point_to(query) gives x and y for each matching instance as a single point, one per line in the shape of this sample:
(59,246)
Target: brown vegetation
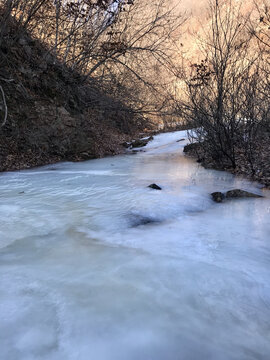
(228,92)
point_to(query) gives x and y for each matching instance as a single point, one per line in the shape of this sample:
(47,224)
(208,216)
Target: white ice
(94,265)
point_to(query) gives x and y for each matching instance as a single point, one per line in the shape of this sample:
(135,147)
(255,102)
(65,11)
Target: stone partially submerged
(218,196)
(137,143)
(141,142)
(155,187)
(238,193)
(136,220)
(233,194)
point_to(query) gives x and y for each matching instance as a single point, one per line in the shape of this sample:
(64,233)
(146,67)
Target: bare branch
(5,107)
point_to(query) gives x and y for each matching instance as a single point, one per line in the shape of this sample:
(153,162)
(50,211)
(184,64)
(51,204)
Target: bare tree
(225,98)
(146,63)
(131,41)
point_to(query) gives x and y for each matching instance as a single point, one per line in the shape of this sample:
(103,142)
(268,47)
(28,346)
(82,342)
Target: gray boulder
(238,193)
(155,187)
(233,194)
(141,142)
(218,196)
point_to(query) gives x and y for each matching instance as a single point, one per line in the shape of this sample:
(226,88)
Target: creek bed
(96,265)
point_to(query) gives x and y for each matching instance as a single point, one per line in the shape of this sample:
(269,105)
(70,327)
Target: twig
(6,80)
(5,106)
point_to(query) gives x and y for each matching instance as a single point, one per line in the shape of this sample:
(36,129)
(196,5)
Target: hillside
(76,87)
(52,113)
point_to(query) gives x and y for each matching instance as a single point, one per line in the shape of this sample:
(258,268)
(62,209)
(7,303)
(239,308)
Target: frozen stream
(96,266)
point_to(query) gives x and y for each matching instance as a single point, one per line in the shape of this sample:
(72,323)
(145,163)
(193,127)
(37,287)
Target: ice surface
(95,265)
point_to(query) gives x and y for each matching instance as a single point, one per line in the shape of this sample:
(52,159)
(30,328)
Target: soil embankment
(53,113)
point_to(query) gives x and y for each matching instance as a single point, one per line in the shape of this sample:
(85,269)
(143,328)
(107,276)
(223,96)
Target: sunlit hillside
(198,18)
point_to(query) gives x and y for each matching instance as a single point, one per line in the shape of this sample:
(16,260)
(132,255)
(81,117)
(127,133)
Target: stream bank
(261,163)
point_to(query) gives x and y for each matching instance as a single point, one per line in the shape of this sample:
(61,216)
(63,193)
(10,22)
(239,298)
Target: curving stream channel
(94,265)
